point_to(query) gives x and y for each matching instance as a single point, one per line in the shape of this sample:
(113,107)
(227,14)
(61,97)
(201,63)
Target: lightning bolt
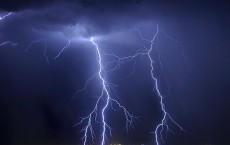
(117,62)
(45,49)
(7,15)
(166,116)
(7,42)
(107,99)
(105,95)
(67,45)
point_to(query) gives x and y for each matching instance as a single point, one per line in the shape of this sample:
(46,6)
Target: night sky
(37,102)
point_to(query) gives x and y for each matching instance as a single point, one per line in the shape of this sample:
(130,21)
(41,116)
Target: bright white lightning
(166,116)
(7,15)
(107,99)
(105,96)
(67,45)
(103,90)
(163,125)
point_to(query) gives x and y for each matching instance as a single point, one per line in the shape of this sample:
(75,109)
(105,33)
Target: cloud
(84,18)
(34,19)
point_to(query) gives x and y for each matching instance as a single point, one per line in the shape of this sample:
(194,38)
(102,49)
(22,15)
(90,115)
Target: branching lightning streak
(147,52)
(69,42)
(7,15)
(103,90)
(106,97)
(166,116)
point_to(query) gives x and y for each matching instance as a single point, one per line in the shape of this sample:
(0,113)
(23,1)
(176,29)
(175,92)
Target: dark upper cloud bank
(104,16)
(188,6)
(12,5)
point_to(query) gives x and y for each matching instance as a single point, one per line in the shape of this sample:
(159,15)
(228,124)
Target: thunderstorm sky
(191,62)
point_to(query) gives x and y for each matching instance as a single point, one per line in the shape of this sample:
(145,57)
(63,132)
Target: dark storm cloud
(92,17)
(102,16)
(72,18)
(96,16)
(119,6)
(12,5)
